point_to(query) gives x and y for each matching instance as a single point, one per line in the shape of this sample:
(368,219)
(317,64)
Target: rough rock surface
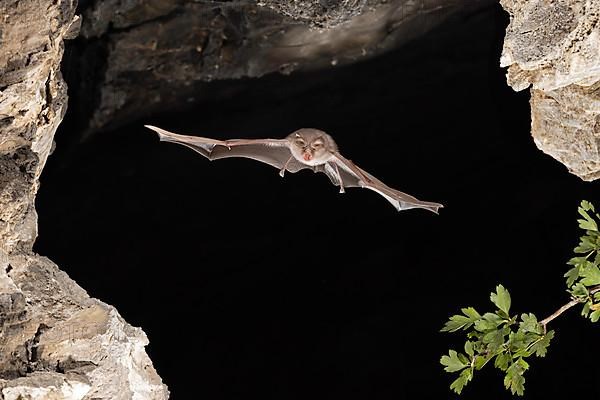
(554,47)
(322,13)
(140,57)
(32,104)
(55,341)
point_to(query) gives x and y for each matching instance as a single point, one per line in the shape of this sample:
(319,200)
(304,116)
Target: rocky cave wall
(56,342)
(140,57)
(554,47)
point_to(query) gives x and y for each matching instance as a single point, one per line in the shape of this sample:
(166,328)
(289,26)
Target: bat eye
(300,142)
(317,144)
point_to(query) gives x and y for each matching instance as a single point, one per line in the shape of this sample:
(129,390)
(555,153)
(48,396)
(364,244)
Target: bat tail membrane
(193,142)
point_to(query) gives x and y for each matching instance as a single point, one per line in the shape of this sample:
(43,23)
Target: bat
(302,149)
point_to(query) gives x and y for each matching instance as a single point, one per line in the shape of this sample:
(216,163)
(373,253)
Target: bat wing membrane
(353,176)
(275,152)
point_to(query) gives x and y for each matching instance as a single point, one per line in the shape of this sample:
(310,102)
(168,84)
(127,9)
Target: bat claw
(342,190)
(281,172)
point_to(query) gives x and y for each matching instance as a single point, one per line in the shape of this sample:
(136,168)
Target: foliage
(498,336)
(584,276)
(508,339)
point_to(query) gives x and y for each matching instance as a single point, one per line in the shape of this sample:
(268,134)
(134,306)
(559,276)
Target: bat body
(302,149)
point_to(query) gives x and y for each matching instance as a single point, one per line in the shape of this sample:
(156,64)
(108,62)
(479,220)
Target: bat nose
(307,156)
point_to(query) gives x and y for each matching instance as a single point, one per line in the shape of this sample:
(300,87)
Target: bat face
(311,146)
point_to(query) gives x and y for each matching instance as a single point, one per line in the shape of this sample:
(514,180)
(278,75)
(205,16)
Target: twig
(561,310)
(564,308)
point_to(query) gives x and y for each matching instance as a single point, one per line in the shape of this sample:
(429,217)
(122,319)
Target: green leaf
(462,380)
(572,275)
(595,316)
(474,335)
(588,222)
(577,261)
(488,322)
(540,348)
(457,322)
(471,313)
(520,343)
(502,361)
(591,275)
(580,291)
(584,247)
(480,361)
(452,362)
(587,206)
(586,244)
(494,339)
(469,348)
(514,379)
(586,309)
(517,341)
(501,299)
(523,364)
(530,324)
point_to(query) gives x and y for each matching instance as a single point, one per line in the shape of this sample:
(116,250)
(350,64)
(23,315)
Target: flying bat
(304,148)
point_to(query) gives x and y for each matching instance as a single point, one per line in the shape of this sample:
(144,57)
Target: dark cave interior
(247,284)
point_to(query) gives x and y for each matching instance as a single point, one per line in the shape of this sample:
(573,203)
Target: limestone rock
(32,104)
(566,124)
(321,13)
(43,352)
(46,386)
(97,343)
(149,56)
(554,46)
(57,341)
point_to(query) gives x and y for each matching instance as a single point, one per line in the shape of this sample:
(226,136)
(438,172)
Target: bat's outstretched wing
(352,176)
(275,152)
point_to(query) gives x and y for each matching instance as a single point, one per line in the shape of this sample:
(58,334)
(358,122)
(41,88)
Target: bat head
(311,146)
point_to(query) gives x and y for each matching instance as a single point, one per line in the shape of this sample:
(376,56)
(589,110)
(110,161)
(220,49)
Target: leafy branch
(510,340)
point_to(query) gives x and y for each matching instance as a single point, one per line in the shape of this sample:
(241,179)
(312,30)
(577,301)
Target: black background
(250,285)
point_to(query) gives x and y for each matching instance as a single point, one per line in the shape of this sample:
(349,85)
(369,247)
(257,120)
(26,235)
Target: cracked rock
(553,46)
(57,341)
(46,386)
(41,308)
(141,57)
